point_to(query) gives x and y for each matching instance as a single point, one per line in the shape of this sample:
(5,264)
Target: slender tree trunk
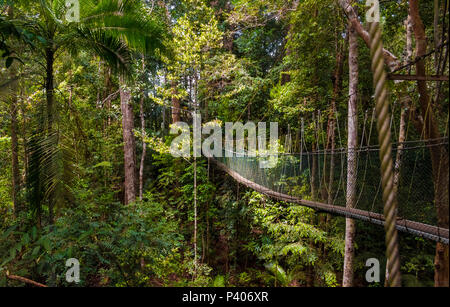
(49,86)
(332,120)
(436,35)
(351,158)
(129,149)
(25,141)
(195,214)
(15,156)
(409,48)
(176,108)
(439,154)
(144,152)
(107,92)
(16,182)
(404,108)
(144,149)
(313,172)
(207,232)
(195,103)
(14,131)
(49,89)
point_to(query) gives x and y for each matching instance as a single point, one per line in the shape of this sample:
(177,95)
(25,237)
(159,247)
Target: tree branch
(391,60)
(26,280)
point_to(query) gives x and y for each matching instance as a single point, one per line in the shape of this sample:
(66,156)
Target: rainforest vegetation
(89,91)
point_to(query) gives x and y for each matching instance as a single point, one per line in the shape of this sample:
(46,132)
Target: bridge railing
(307,176)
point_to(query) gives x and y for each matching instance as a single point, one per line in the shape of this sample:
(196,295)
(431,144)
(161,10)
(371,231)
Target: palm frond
(51,170)
(125,20)
(110,48)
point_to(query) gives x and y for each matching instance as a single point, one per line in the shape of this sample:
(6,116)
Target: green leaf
(34,233)
(46,244)
(12,253)
(35,251)
(105,164)
(25,239)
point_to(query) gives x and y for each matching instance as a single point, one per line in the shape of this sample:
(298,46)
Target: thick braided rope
(384,138)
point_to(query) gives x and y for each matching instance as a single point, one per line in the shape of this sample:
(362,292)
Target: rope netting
(305,178)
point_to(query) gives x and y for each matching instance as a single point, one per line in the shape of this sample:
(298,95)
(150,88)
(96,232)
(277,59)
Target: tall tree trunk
(332,122)
(195,217)
(351,158)
(107,93)
(128,143)
(331,127)
(14,131)
(439,154)
(144,145)
(49,89)
(404,108)
(49,86)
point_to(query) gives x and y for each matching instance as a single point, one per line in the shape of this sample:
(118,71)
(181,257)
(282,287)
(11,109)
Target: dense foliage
(63,89)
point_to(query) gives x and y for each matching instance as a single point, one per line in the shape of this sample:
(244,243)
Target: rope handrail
(338,151)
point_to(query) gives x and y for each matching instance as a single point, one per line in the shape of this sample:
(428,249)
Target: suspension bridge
(304,179)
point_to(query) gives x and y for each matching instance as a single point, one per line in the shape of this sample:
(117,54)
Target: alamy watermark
(373,273)
(73,273)
(256,139)
(73,11)
(373,13)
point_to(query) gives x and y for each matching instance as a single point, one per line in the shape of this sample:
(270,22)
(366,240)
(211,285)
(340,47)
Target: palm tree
(112,30)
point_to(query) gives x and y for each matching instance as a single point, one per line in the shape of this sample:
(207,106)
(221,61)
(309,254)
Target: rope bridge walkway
(304,178)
